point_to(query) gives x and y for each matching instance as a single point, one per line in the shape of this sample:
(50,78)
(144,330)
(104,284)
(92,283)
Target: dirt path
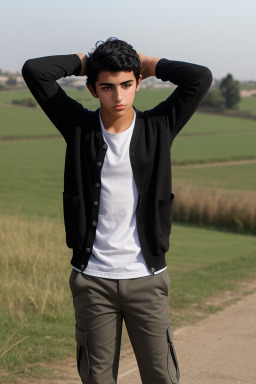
(216,164)
(220,349)
(15,139)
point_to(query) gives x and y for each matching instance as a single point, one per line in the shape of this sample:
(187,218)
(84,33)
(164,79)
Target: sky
(219,34)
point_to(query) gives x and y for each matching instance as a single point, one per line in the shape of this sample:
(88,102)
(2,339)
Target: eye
(106,88)
(126,85)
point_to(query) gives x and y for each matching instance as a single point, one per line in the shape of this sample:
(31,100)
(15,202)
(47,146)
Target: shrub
(29,102)
(214,99)
(11,81)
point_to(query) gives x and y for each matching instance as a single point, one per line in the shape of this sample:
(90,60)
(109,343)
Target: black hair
(113,55)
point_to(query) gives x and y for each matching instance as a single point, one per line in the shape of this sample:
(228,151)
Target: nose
(118,95)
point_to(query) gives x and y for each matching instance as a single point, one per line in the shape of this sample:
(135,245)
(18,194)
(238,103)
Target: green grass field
(248,104)
(32,176)
(212,125)
(21,122)
(187,150)
(247,86)
(33,122)
(145,98)
(37,320)
(230,177)
(8,96)
(217,262)
(31,179)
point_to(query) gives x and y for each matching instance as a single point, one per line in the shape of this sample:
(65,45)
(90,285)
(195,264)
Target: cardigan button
(99,164)
(94,223)
(88,250)
(82,267)
(95,203)
(105,146)
(97,185)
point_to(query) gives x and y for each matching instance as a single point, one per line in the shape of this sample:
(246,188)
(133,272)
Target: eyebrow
(124,82)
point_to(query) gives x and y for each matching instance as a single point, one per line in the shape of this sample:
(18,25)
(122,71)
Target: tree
(11,81)
(214,99)
(28,102)
(230,91)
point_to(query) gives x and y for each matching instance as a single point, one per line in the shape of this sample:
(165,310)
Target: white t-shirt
(116,252)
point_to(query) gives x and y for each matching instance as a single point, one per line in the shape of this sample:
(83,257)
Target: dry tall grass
(34,265)
(223,208)
(35,262)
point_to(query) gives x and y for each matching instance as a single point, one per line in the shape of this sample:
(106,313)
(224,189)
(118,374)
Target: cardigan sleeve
(41,75)
(193,82)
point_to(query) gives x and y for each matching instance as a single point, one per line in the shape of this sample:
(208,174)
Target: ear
(92,90)
(138,83)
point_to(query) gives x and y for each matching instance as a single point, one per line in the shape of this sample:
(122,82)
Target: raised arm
(83,59)
(148,65)
(193,82)
(41,75)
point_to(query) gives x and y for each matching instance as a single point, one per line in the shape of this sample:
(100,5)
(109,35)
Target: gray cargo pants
(100,307)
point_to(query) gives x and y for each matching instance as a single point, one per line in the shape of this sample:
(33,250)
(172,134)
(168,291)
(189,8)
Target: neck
(115,124)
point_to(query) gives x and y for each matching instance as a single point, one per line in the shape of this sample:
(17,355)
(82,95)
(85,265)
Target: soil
(216,164)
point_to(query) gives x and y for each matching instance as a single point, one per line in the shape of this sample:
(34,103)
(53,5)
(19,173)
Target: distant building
(150,82)
(248,93)
(19,80)
(3,79)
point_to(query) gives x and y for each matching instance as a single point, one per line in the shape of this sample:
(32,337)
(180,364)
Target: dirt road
(215,164)
(220,349)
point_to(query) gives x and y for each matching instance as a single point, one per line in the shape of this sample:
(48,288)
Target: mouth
(119,106)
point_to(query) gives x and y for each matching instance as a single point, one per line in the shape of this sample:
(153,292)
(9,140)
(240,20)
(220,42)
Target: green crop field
(204,149)
(144,99)
(8,96)
(37,320)
(209,267)
(248,104)
(199,124)
(24,122)
(32,176)
(247,86)
(206,124)
(231,177)
(32,171)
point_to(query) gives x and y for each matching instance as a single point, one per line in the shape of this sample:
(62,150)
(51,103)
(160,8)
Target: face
(116,92)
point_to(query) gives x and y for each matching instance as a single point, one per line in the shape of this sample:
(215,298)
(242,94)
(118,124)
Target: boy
(118,201)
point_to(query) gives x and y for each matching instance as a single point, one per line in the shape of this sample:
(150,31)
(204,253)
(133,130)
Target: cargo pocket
(82,356)
(173,366)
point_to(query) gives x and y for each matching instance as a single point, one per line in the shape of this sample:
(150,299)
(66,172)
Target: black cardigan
(150,146)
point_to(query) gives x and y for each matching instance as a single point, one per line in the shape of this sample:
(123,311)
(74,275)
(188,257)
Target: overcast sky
(219,34)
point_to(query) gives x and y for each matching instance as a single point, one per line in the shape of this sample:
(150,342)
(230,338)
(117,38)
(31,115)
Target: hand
(148,65)
(83,59)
